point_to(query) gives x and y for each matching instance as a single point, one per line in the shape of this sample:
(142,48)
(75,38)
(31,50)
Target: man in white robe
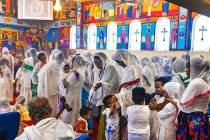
(46,128)
(49,77)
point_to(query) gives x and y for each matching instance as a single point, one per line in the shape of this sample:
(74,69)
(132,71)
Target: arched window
(112,36)
(73,37)
(135,35)
(162,34)
(201,33)
(92,36)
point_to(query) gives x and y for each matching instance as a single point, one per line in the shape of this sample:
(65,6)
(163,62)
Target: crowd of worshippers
(98,97)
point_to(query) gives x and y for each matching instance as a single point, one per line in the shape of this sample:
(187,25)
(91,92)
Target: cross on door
(113,34)
(136,33)
(94,35)
(202,30)
(164,34)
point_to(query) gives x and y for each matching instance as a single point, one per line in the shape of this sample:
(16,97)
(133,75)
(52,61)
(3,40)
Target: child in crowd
(138,116)
(81,127)
(20,106)
(64,74)
(112,118)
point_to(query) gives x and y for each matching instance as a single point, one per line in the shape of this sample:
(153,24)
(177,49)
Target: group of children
(136,119)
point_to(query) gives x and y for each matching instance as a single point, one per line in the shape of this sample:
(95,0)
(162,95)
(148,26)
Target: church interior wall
(56,34)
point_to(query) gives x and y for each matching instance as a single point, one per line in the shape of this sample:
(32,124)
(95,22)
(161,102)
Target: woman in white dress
(73,84)
(167,116)
(132,71)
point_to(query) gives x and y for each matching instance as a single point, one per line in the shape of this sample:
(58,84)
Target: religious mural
(125,13)
(85,33)
(122,36)
(101,37)
(64,39)
(8,8)
(108,11)
(69,10)
(174,35)
(148,36)
(20,39)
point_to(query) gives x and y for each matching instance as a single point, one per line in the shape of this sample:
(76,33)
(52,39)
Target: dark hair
(138,95)
(106,100)
(97,57)
(162,80)
(84,111)
(40,55)
(39,107)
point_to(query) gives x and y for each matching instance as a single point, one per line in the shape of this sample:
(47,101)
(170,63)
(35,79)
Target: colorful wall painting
(63,39)
(68,11)
(101,37)
(174,35)
(8,8)
(182,29)
(20,39)
(122,36)
(148,36)
(108,11)
(152,8)
(85,37)
(92,12)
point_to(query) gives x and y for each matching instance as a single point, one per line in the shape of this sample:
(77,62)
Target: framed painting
(35,9)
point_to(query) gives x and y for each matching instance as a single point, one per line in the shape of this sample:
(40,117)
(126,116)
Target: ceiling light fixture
(57,6)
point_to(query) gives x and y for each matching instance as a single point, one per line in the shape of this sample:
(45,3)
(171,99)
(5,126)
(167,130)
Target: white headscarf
(5,50)
(129,59)
(165,66)
(179,65)
(78,61)
(199,67)
(174,89)
(196,97)
(103,58)
(167,115)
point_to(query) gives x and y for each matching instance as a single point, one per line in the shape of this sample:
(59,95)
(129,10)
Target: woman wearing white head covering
(53,53)
(5,54)
(167,116)
(90,70)
(132,73)
(73,84)
(49,76)
(42,57)
(148,75)
(192,120)
(179,67)
(5,105)
(106,79)
(5,86)
(28,66)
